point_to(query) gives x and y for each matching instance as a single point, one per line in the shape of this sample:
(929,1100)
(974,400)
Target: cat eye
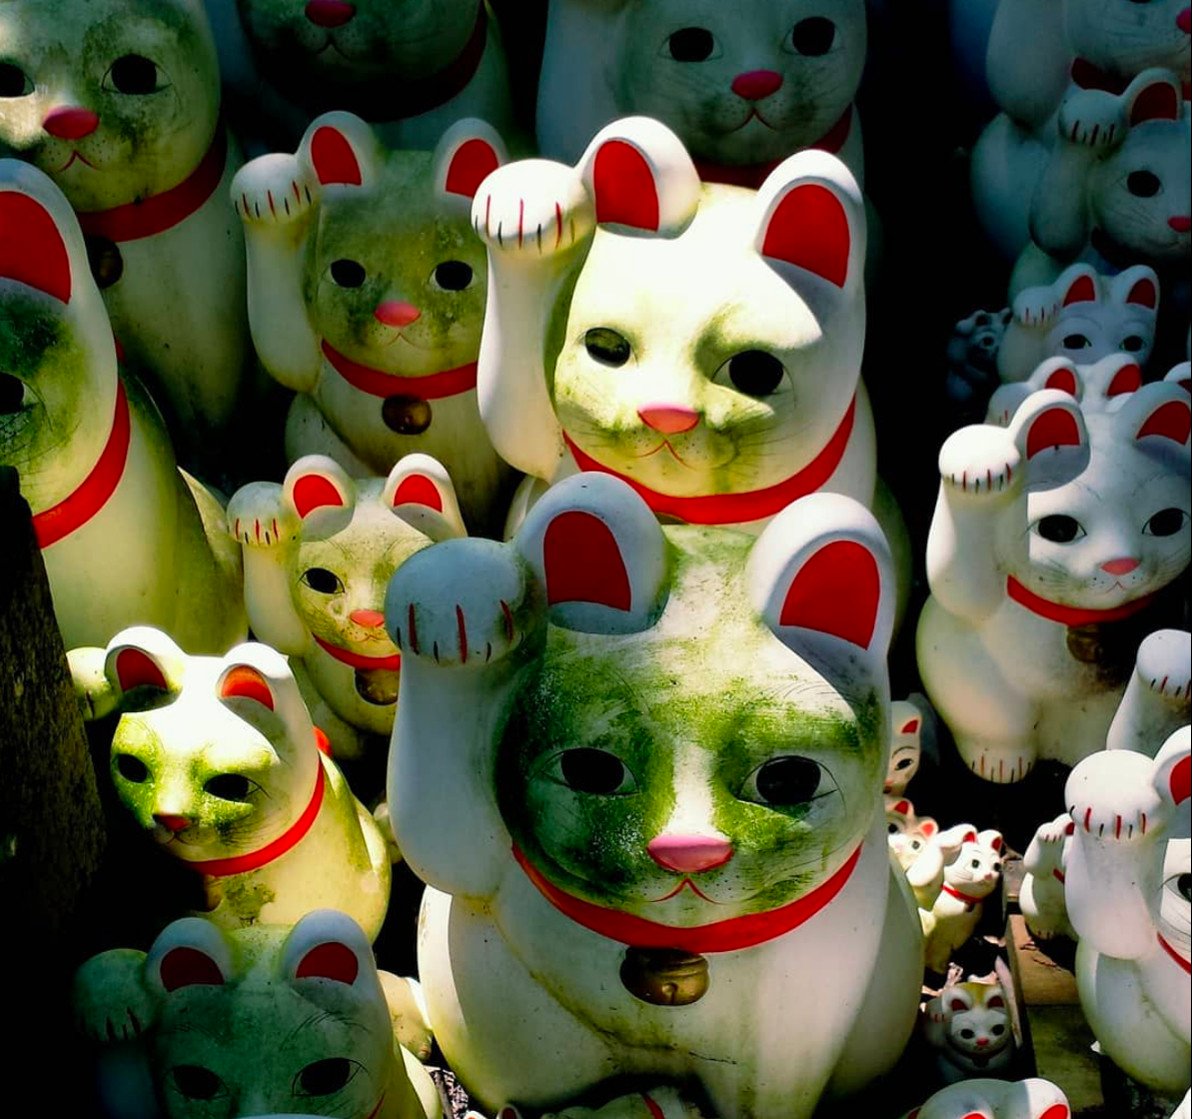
(1076,342)
(321,580)
(131,768)
(135,75)
(813,36)
(1143,184)
(196,1083)
(902,763)
(1184,885)
(347,273)
(587,769)
(892,829)
(691,44)
(14,82)
(229,786)
(754,372)
(12,394)
(1166,522)
(322,1078)
(997,1031)
(975,864)
(968,1035)
(784,782)
(452,275)
(1059,528)
(607,346)
(1132,344)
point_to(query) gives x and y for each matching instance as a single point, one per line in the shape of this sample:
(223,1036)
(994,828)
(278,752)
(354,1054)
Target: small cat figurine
(1066,518)
(969,879)
(968,1025)
(319,551)
(1041,896)
(1099,387)
(996,1099)
(907,834)
(255,1020)
(906,746)
(366,297)
(217,759)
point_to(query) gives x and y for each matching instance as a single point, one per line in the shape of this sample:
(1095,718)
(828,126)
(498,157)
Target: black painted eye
(1184,885)
(902,763)
(321,1078)
(131,769)
(997,868)
(691,44)
(813,36)
(347,273)
(229,786)
(12,394)
(975,864)
(786,782)
(968,1035)
(755,372)
(607,346)
(133,74)
(1166,522)
(893,829)
(196,1082)
(1076,342)
(453,275)
(1132,343)
(589,770)
(321,580)
(1143,184)
(14,82)
(997,1031)
(1060,528)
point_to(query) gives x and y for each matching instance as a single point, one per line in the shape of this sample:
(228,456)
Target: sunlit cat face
(1125,36)
(976,871)
(113,99)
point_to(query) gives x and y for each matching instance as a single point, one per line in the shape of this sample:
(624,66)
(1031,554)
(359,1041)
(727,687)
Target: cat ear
(928,827)
(996,1002)
(1077,284)
(342,150)
(640,177)
(317,482)
(1059,373)
(328,946)
(256,683)
(900,808)
(1137,286)
(142,657)
(1173,779)
(32,249)
(469,151)
(812,216)
(1180,375)
(820,576)
(1158,415)
(190,952)
(420,492)
(1119,373)
(1153,95)
(1048,430)
(991,839)
(600,554)
(958,999)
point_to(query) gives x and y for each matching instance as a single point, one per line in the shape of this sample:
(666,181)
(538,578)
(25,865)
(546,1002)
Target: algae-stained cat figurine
(319,551)
(665,842)
(1045,533)
(255,1020)
(218,761)
(366,297)
(968,881)
(996,1099)
(126,537)
(968,1026)
(702,344)
(118,102)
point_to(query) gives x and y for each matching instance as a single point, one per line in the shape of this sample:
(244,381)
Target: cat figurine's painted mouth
(80,157)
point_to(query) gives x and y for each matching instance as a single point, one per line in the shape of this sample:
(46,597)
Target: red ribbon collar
(969,901)
(1088,75)
(376,382)
(93,492)
(357,660)
(1184,964)
(1071,615)
(287,841)
(737,508)
(721,936)
(146,217)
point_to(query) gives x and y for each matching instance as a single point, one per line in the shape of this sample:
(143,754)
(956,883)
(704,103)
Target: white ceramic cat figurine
(1041,896)
(906,746)
(118,102)
(925,872)
(319,551)
(907,834)
(968,1025)
(969,879)
(744,86)
(996,1099)
(217,759)
(1098,387)
(1065,518)
(667,747)
(126,537)
(366,297)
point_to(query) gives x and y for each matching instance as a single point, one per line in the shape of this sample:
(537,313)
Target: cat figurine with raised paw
(996,1099)
(1041,895)
(968,880)
(968,1026)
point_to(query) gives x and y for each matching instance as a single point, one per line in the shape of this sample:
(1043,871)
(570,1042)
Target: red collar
(1088,75)
(357,660)
(376,382)
(968,899)
(242,864)
(1185,964)
(721,936)
(738,508)
(376,1110)
(752,175)
(1071,615)
(146,217)
(93,492)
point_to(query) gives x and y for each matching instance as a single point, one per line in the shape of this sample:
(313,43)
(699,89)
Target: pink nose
(370,619)
(982,1042)
(393,313)
(172,823)
(329,13)
(753,85)
(1120,566)
(1184,21)
(670,419)
(689,854)
(70,124)
(1180,224)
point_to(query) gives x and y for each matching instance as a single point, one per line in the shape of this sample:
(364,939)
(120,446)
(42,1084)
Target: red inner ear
(1181,780)
(927,828)
(1054,428)
(809,228)
(136,669)
(417,489)
(248,683)
(902,807)
(583,562)
(995,1002)
(1144,293)
(189,967)
(313,491)
(31,248)
(1127,379)
(473,162)
(1082,290)
(1056,1111)
(959,1004)
(996,844)
(909,727)
(1157,102)
(836,592)
(329,961)
(624,186)
(333,158)
(1172,420)
(1064,380)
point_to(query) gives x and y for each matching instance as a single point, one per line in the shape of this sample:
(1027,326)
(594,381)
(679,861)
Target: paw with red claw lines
(274,190)
(533,209)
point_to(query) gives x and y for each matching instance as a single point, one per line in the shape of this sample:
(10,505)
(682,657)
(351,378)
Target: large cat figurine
(663,750)
(126,537)
(366,297)
(118,102)
(743,85)
(1064,520)
(256,1020)
(319,551)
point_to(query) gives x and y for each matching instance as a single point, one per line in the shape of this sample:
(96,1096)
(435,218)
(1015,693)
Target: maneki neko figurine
(906,746)
(1041,896)
(968,1026)
(967,881)
(253,1020)
(996,1099)
(126,537)
(366,297)
(744,86)
(218,761)
(118,101)
(319,551)
(668,751)
(1046,532)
